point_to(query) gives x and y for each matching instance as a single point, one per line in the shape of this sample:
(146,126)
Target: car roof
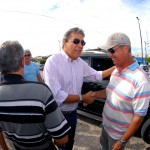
(93,52)
(143,65)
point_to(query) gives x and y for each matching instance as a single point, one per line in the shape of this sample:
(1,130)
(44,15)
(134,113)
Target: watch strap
(122,142)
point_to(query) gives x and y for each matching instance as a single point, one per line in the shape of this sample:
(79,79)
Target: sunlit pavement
(87,137)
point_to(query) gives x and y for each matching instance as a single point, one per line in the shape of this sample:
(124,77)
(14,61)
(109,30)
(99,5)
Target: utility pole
(145,48)
(140,38)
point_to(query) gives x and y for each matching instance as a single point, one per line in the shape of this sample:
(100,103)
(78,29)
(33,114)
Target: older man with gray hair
(127,94)
(64,73)
(29,115)
(31,69)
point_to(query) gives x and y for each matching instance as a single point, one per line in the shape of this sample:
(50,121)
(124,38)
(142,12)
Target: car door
(98,62)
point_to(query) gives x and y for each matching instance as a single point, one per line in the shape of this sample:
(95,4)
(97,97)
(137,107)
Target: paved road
(87,137)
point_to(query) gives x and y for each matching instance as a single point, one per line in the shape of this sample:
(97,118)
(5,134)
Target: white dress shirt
(64,77)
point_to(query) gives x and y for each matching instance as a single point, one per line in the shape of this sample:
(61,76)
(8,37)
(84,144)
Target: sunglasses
(27,55)
(111,50)
(77,41)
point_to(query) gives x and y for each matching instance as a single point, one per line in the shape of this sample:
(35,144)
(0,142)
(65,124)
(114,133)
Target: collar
(67,58)
(12,77)
(134,66)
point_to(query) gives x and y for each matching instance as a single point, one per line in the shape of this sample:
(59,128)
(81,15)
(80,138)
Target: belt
(67,112)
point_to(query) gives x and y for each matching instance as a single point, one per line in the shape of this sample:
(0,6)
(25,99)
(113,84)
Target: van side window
(101,63)
(86,59)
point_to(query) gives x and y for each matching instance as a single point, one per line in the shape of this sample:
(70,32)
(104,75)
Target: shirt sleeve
(55,122)
(141,99)
(51,78)
(37,69)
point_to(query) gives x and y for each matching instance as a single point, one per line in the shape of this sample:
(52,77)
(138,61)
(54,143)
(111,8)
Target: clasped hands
(88,98)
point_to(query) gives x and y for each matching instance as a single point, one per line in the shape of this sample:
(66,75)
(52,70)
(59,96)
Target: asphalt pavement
(88,132)
(87,137)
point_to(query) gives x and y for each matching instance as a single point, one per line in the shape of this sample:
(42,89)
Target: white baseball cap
(114,39)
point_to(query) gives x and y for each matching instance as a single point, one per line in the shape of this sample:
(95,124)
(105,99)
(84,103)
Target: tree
(42,61)
(147,59)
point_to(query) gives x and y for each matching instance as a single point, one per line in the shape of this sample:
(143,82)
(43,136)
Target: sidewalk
(88,132)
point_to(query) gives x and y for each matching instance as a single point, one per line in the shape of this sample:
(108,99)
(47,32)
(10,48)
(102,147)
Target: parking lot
(87,136)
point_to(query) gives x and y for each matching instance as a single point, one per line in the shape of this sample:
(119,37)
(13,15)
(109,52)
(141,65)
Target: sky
(39,25)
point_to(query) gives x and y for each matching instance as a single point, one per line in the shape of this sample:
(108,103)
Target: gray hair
(68,33)
(129,47)
(11,55)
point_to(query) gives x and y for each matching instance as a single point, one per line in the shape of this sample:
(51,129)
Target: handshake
(90,96)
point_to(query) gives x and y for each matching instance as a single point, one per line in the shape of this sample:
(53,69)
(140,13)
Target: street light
(140,37)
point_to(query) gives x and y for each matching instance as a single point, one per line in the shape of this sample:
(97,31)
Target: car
(144,67)
(100,61)
(41,67)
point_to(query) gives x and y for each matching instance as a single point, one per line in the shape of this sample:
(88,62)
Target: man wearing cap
(31,69)
(127,95)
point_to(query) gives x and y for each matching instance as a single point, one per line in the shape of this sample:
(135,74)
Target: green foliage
(147,59)
(34,60)
(42,61)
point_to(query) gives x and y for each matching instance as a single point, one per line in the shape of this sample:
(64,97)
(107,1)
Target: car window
(101,63)
(86,59)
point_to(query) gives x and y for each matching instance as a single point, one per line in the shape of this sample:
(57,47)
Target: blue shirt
(31,71)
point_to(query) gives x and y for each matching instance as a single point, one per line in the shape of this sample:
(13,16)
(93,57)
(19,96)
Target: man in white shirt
(64,73)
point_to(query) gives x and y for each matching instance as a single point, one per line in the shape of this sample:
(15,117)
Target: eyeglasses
(27,55)
(77,41)
(111,50)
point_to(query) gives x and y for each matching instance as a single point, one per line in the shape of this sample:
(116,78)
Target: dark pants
(106,141)
(72,121)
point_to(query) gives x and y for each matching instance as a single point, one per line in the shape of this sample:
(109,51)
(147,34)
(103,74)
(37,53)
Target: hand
(85,104)
(59,145)
(117,146)
(61,142)
(88,98)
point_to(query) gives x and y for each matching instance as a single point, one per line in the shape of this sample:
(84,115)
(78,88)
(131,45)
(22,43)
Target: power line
(47,16)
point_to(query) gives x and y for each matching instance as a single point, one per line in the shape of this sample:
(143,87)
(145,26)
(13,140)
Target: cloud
(39,25)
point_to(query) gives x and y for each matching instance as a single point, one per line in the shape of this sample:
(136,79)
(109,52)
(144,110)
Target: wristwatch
(80,98)
(122,142)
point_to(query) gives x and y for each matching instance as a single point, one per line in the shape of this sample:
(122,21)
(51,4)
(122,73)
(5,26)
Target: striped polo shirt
(128,94)
(29,115)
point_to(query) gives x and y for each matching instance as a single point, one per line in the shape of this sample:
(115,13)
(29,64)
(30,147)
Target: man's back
(27,112)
